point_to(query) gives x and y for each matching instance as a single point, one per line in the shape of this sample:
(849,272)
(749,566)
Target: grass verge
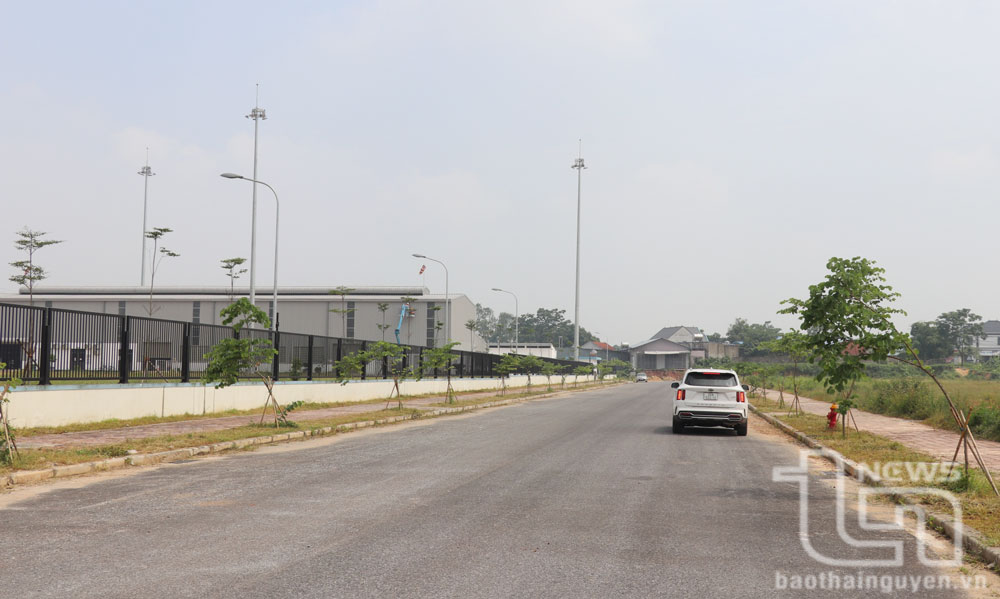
(37,459)
(980,507)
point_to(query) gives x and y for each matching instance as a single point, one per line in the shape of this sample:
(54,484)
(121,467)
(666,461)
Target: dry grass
(35,459)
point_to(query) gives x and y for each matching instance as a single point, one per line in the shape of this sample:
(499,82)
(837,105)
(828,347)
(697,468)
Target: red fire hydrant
(831,417)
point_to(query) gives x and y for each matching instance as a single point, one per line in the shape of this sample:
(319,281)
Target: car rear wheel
(678,427)
(741,430)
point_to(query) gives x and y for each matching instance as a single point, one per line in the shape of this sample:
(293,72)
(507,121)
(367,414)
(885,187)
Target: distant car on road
(707,397)
(641,378)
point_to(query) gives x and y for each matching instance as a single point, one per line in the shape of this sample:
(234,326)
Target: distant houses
(677,348)
(989,344)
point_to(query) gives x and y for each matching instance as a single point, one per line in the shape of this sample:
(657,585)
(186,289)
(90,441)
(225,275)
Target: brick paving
(915,435)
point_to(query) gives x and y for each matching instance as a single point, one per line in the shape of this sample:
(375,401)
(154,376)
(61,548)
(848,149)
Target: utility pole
(146,173)
(257,114)
(579,166)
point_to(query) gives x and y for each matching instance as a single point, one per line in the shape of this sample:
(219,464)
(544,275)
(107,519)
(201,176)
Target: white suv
(709,397)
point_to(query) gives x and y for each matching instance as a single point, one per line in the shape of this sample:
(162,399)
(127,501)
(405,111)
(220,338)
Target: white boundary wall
(59,405)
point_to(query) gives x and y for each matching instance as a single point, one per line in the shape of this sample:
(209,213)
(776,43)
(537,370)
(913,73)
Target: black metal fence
(47,345)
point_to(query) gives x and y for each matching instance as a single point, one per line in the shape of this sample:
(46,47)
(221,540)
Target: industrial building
(365,313)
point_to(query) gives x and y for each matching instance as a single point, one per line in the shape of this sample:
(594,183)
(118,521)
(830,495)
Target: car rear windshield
(711,379)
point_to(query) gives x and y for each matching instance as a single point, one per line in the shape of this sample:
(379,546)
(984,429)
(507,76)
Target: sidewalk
(115,436)
(915,435)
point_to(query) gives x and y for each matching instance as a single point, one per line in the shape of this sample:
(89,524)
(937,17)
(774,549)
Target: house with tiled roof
(677,348)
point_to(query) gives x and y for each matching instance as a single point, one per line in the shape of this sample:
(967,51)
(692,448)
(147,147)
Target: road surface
(588,495)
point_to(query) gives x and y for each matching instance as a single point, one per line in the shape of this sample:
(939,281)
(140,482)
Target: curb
(972,539)
(148,459)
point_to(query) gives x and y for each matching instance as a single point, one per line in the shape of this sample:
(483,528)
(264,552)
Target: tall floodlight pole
(146,173)
(579,166)
(447,301)
(516,316)
(274,293)
(257,114)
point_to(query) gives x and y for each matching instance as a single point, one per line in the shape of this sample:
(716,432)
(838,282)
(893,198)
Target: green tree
(351,366)
(564,371)
(847,319)
(442,358)
(508,365)
(343,292)
(530,365)
(239,354)
(579,371)
(929,341)
(961,329)
(751,335)
(620,368)
(438,325)
(233,271)
(8,444)
(795,345)
(486,323)
(470,325)
(548,370)
(28,273)
(156,234)
(382,307)
(544,326)
(716,338)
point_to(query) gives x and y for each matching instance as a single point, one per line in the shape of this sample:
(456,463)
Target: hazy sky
(733,147)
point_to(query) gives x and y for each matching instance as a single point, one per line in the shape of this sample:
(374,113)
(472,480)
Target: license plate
(710,396)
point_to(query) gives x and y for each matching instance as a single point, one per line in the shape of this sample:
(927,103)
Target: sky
(732,148)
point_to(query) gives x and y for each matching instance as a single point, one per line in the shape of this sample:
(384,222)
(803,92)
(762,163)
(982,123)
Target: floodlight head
(419,256)
(231,176)
(497,289)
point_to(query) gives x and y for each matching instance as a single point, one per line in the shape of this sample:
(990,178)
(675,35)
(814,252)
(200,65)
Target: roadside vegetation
(980,506)
(893,390)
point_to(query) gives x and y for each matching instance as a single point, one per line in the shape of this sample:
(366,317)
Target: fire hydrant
(831,417)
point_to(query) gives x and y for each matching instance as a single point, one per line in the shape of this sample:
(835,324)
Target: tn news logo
(800,474)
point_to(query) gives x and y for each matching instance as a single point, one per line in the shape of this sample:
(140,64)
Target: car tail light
(680,394)
(741,397)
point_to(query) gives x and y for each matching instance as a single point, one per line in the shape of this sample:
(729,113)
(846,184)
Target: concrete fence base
(60,405)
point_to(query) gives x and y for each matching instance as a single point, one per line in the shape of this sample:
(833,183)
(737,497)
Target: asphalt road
(583,496)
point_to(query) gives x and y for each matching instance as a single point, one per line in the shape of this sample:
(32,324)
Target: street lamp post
(277,206)
(579,166)
(516,318)
(447,301)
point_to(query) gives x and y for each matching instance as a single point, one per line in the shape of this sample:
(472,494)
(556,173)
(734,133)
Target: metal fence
(50,345)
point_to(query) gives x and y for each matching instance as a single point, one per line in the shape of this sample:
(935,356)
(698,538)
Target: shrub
(904,397)
(984,421)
